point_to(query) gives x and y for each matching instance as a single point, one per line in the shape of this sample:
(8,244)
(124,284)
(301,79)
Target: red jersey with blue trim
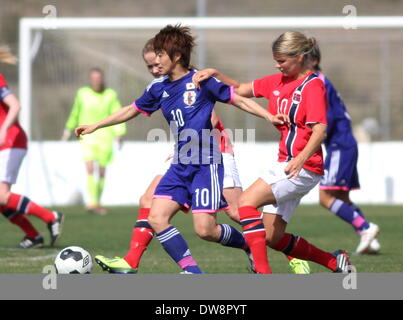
(16,137)
(304,101)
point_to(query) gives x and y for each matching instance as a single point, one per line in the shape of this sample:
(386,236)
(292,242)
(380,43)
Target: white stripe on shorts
(331,176)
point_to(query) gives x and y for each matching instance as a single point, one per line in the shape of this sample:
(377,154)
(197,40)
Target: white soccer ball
(374,247)
(73,260)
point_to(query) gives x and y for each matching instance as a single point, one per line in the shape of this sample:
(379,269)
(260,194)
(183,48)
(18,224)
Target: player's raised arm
(120,116)
(243,89)
(252,107)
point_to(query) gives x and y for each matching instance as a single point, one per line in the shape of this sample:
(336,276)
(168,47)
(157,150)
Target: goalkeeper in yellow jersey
(92,104)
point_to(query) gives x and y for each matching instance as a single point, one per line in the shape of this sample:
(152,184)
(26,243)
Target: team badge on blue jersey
(189,97)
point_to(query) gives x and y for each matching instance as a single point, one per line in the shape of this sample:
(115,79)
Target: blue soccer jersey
(188,111)
(339,130)
(342,151)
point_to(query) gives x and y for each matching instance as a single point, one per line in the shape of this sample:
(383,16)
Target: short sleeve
(148,103)
(219,90)
(261,87)
(314,97)
(4,89)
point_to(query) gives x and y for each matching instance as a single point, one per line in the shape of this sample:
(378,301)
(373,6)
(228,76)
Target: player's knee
(232,214)
(157,222)
(205,233)
(243,201)
(146,201)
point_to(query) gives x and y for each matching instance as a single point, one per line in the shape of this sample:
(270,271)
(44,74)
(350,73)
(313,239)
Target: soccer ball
(73,260)
(374,247)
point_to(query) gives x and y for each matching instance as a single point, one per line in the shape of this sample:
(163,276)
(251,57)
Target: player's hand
(3,136)
(202,75)
(280,120)
(82,130)
(294,167)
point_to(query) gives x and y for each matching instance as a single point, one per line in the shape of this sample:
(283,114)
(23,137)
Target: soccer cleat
(55,228)
(115,265)
(28,243)
(252,263)
(299,266)
(374,247)
(343,262)
(366,238)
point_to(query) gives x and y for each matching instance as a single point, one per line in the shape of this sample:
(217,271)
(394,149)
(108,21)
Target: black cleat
(28,243)
(343,262)
(55,228)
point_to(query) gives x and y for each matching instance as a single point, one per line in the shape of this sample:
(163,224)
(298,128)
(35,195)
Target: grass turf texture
(110,236)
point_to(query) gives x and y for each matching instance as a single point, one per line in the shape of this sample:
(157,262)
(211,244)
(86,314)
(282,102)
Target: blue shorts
(195,186)
(341,170)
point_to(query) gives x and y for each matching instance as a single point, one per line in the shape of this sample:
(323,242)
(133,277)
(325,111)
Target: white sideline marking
(39,258)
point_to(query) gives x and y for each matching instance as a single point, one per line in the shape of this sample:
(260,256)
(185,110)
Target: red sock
(23,204)
(255,236)
(141,237)
(300,248)
(26,225)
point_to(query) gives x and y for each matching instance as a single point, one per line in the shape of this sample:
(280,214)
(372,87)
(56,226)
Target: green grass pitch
(110,236)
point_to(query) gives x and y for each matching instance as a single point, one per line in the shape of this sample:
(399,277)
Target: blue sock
(176,246)
(231,237)
(365,225)
(350,214)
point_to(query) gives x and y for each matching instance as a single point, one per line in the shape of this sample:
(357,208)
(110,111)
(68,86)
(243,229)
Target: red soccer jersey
(16,137)
(304,100)
(225,144)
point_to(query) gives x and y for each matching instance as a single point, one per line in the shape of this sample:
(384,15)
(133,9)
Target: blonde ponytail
(6,56)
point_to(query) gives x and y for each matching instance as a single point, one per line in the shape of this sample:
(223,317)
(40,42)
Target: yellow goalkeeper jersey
(90,107)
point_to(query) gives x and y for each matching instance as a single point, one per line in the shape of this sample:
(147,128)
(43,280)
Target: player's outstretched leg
(32,237)
(338,202)
(232,195)
(300,248)
(24,205)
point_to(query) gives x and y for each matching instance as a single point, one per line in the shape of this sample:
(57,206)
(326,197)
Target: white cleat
(367,236)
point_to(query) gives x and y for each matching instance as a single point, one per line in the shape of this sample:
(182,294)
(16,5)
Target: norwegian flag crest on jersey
(297,97)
